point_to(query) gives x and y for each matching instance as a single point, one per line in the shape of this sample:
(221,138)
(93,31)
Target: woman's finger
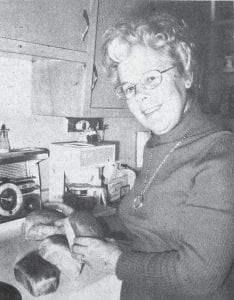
(79,248)
(59,206)
(86,241)
(59,222)
(111,240)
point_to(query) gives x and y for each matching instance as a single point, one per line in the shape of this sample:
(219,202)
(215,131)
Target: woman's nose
(141,93)
(142,99)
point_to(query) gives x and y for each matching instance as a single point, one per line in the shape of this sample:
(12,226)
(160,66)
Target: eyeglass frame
(134,85)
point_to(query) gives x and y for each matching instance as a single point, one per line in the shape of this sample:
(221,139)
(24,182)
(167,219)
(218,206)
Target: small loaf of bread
(39,224)
(82,223)
(55,249)
(37,275)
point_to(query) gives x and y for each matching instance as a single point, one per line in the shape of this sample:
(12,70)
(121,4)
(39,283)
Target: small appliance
(20,182)
(76,168)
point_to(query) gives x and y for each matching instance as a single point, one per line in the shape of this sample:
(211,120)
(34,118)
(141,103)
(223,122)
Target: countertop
(90,286)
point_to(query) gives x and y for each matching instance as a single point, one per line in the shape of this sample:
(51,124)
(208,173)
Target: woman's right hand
(101,255)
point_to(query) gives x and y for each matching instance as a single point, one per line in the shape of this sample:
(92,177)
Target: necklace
(138,201)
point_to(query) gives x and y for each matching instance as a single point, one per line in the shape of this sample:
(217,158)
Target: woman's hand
(102,255)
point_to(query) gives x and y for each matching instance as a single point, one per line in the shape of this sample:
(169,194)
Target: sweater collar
(193,123)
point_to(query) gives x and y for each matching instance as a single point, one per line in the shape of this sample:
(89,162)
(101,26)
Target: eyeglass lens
(149,80)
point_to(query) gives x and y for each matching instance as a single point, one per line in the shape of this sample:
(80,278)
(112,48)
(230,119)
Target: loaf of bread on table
(82,223)
(38,276)
(39,224)
(55,249)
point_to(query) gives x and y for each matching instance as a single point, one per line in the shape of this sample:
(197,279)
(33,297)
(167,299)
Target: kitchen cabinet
(62,86)
(45,24)
(79,88)
(59,37)
(103,100)
(63,39)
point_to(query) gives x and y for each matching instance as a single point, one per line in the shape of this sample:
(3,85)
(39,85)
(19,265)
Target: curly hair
(162,32)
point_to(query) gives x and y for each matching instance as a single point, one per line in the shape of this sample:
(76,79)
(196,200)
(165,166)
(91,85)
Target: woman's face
(159,109)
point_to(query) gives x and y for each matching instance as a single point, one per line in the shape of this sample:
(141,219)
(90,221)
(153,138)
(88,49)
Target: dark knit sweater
(183,237)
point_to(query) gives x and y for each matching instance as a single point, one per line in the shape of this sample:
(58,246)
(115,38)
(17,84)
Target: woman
(179,216)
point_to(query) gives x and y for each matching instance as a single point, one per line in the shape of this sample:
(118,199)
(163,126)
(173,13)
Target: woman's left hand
(102,255)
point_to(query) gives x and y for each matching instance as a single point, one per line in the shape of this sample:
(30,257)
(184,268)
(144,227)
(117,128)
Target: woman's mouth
(151,110)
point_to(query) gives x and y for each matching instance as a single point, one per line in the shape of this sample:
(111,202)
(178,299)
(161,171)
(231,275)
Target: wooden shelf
(24,154)
(43,51)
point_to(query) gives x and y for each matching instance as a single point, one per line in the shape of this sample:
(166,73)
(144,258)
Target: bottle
(4,141)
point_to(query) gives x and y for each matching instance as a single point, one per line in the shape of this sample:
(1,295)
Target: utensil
(82,260)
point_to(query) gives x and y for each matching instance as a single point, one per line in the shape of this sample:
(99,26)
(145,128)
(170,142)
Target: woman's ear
(184,52)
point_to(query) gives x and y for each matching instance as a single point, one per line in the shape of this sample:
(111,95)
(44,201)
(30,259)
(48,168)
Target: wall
(28,130)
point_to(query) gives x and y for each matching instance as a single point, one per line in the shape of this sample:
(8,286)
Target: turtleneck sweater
(182,238)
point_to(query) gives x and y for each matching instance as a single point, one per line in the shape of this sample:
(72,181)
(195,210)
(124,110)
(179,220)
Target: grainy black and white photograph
(116,150)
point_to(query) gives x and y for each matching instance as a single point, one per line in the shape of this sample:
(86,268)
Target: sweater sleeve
(206,244)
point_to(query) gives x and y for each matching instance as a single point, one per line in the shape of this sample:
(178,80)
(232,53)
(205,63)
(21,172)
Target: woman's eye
(150,79)
(129,90)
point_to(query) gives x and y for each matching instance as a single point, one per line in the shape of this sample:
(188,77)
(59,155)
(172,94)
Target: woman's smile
(151,110)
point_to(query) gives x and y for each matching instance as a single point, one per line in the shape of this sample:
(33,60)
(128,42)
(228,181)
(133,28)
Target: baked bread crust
(37,275)
(40,224)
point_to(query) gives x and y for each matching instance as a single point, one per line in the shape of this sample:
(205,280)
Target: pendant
(138,202)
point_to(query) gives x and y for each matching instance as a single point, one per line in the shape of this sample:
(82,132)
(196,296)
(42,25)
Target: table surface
(90,285)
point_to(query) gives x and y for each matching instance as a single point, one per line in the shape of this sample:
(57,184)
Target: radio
(20,182)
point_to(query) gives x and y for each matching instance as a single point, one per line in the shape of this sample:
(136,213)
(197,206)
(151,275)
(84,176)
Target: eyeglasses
(149,80)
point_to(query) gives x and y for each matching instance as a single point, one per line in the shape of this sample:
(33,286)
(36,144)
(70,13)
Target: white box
(117,185)
(78,162)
